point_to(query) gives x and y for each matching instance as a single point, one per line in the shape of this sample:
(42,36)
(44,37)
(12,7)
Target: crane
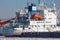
(7,21)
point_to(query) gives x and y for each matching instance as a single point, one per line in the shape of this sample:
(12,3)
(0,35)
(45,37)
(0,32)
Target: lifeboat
(37,16)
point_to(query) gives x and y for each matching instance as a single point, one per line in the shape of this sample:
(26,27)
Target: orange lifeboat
(0,23)
(37,16)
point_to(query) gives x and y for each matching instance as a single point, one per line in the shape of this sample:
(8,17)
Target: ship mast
(54,6)
(38,2)
(41,3)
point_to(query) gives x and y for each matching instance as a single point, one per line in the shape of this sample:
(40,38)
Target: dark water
(19,38)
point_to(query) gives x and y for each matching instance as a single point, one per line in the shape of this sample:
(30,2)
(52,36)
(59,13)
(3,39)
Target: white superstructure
(48,24)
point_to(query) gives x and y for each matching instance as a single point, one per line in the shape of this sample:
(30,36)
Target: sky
(9,7)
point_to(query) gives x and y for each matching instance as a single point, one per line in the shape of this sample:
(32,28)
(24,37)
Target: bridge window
(51,10)
(50,18)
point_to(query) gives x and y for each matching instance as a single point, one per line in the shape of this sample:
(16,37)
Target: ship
(32,21)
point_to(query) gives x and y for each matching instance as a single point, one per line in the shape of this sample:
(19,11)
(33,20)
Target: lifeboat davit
(37,16)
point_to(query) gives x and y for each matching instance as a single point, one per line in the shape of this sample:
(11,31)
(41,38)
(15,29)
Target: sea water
(19,38)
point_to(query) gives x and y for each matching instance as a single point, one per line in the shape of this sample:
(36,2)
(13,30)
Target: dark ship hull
(38,34)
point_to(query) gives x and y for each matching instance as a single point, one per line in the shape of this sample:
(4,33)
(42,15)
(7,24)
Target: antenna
(38,2)
(27,3)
